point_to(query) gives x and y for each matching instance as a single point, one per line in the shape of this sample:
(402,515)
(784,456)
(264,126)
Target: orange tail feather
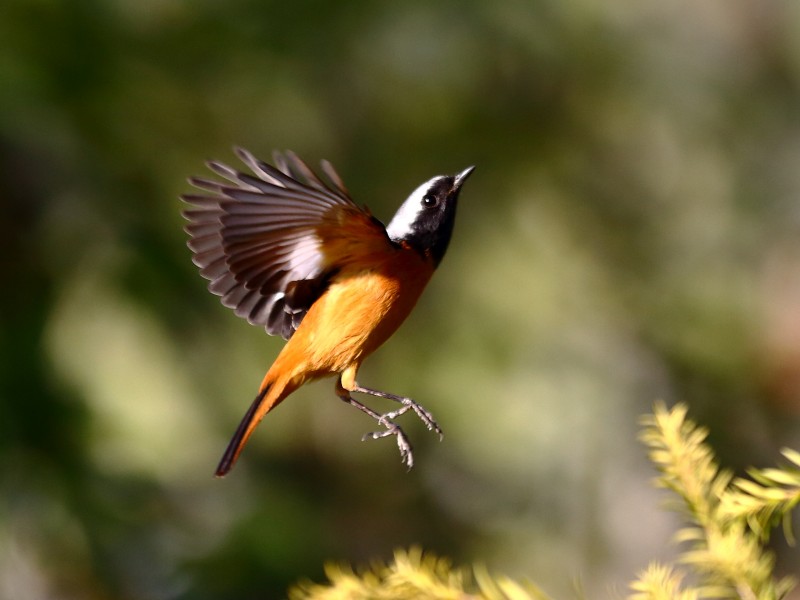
(268,397)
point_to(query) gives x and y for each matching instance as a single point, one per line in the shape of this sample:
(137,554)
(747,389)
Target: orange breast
(362,308)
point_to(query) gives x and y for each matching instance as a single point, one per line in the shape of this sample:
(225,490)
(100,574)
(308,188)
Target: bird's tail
(270,394)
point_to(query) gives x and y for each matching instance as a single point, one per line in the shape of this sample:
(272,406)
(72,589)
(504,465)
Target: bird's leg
(392,428)
(408,404)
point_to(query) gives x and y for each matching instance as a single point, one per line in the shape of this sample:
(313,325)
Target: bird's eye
(429,201)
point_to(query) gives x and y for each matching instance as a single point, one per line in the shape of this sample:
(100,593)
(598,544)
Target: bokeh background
(630,234)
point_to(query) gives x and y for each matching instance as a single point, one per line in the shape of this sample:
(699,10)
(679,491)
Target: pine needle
(767,499)
(659,582)
(414,574)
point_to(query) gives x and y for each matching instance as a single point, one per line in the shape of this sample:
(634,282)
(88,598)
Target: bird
(291,251)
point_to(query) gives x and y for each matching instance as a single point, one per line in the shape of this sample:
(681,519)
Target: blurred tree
(630,233)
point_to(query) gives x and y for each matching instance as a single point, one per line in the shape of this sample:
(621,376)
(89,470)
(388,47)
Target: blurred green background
(630,234)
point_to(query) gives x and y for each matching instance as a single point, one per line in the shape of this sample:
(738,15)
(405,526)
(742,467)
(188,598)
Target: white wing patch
(306,253)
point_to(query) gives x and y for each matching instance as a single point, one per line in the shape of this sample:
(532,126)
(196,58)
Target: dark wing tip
(334,177)
(244,154)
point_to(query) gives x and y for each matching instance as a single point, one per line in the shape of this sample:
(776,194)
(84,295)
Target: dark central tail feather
(248,423)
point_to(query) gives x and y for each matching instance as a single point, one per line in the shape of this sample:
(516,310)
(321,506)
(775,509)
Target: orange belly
(360,310)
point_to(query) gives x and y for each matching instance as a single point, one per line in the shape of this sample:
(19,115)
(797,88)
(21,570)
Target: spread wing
(269,243)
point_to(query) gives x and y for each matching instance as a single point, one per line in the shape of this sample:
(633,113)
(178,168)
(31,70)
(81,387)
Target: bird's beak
(462,177)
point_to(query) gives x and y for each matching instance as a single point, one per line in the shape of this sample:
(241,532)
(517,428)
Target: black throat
(431,230)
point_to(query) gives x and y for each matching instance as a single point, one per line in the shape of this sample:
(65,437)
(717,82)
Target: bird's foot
(422,413)
(392,428)
(387,420)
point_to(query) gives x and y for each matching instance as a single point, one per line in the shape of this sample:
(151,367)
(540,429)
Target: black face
(425,221)
(433,227)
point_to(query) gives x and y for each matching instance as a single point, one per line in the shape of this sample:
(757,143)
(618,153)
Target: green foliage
(724,549)
(724,556)
(659,582)
(767,499)
(414,574)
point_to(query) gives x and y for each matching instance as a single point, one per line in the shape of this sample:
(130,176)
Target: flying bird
(290,251)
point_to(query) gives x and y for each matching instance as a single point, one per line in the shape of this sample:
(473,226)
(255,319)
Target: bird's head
(425,220)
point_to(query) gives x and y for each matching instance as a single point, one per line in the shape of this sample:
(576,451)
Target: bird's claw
(406,455)
(425,416)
